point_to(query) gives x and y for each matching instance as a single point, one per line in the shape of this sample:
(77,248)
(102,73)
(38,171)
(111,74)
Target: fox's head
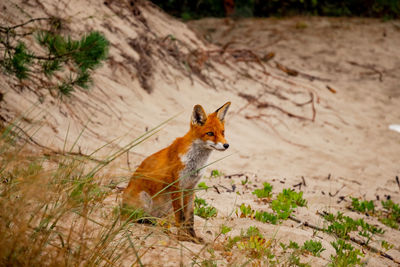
(209,130)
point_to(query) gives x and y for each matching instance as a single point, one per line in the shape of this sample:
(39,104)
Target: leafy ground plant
(286,202)
(266,191)
(283,206)
(346,254)
(390,215)
(253,244)
(203,209)
(362,206)
(314,247)
(341,226)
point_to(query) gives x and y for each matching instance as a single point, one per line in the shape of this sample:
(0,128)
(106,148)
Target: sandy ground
(345,150)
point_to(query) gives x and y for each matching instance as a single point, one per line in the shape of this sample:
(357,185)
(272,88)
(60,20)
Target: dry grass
(58,211)
(61,211)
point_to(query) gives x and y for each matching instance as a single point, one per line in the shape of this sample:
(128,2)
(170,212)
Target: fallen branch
(369,67)
(337,191)
(293,72)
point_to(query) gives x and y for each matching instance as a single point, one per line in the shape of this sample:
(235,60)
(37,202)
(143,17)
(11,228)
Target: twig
(333,91)
(216,189)
(368,66)
(337,192)
(298,185)
(6,29)
(304,181)
(293,72)
(306,223)
(397,181)
(235,174)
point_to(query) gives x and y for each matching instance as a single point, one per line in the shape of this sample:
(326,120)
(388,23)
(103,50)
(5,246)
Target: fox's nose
(226,146)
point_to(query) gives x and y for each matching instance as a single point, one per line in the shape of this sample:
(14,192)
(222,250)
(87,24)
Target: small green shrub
(265,192)
(386,245)
(225,229)
(362,206)
(204,210)
(314,247)
(346,255)
(252,243)
(282,207)
(203,186)
(216,174)
(392,216)
(342,226)
(286,202)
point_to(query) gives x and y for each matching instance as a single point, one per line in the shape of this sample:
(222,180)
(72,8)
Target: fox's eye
(210,134)
(223,133)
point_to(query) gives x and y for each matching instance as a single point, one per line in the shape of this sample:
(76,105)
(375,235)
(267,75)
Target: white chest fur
(194,160)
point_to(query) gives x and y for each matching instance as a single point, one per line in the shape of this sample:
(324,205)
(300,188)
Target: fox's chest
(194,161)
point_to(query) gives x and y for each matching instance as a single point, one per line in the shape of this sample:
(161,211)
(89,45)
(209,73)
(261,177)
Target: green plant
(203,186)
(216,173)
(246,211)
(225,229)
(204,210)
(282,206)
(245,181)
(386,245)
(342,226)
(294,251)
(264,217)
(346,254)
(286,202)
(391,217)
(79,57)
(252,243)
(314,247)
(362,206)
(265,192)
(388,9)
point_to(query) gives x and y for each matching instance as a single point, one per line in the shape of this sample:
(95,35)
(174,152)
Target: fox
(165,181)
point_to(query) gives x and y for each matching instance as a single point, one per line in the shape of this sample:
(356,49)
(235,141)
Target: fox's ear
(199,116)
(221,112)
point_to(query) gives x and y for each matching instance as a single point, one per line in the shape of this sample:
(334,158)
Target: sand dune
(327,126)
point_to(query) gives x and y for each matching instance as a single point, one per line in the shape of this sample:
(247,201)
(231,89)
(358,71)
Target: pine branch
(7,29)
(84,55)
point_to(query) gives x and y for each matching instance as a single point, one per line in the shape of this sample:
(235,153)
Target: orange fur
(167,178)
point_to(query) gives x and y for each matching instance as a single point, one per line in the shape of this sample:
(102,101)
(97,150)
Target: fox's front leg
(184,216)
(188,202)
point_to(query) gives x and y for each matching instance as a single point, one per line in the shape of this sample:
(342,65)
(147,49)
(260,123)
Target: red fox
(166,179)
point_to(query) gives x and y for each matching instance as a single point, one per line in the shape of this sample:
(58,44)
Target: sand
(336,140)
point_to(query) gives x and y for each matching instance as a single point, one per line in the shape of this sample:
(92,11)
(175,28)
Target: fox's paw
(190,238)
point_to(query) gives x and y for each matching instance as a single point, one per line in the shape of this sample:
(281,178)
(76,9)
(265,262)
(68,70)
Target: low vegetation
(388,215)
(62,63)
(282,207)
(203,209)
(60,216)
(387,9)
